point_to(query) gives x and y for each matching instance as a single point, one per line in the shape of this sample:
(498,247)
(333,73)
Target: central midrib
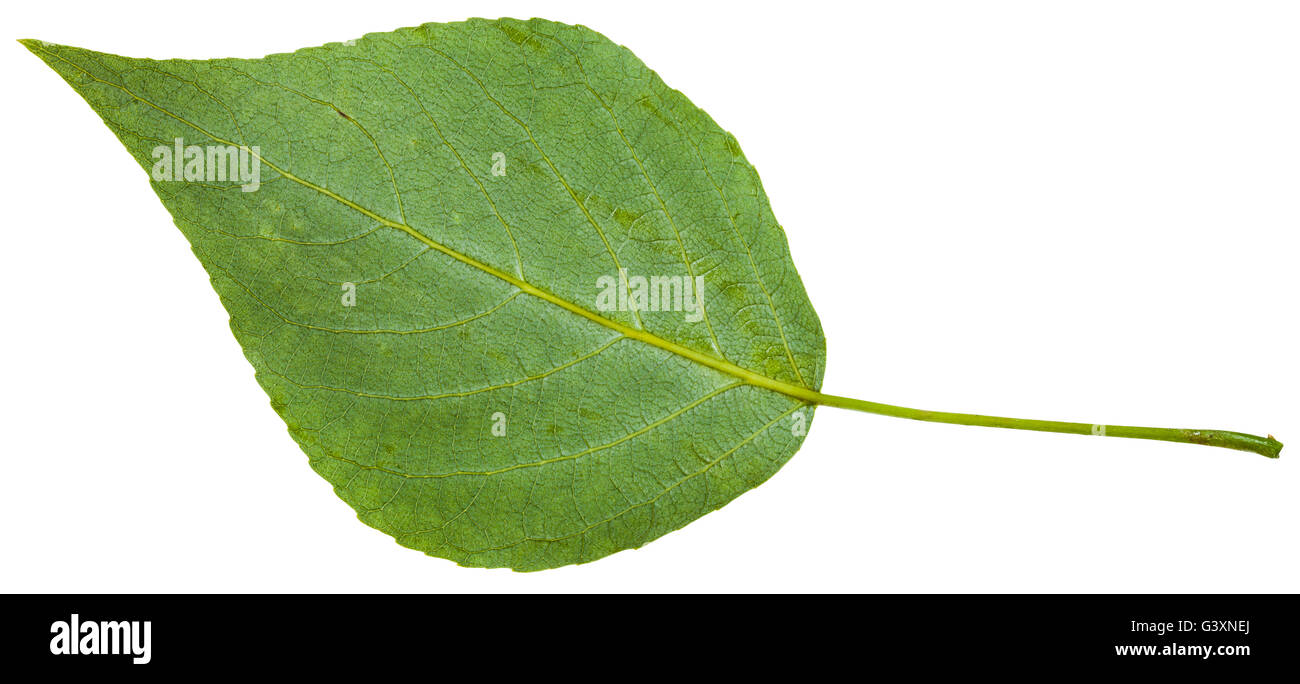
(1269,446)
(795,391)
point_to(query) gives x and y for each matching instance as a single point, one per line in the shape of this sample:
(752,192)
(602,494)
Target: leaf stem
(1264,446)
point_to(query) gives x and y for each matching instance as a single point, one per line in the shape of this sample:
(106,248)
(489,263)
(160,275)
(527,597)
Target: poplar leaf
(519,302)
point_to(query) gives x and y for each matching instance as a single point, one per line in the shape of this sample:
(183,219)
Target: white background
(1073,211)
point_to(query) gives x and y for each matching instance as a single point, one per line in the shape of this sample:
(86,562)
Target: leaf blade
(384,401)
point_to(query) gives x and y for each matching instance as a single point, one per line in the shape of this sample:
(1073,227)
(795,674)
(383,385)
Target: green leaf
(427,241)
(412,256)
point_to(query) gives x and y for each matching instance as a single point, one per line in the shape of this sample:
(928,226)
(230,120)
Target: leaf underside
(377,169)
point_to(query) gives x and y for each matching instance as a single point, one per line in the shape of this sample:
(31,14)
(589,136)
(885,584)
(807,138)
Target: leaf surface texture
(476,292)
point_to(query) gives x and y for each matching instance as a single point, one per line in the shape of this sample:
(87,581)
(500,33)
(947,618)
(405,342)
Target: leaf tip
(33,44)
